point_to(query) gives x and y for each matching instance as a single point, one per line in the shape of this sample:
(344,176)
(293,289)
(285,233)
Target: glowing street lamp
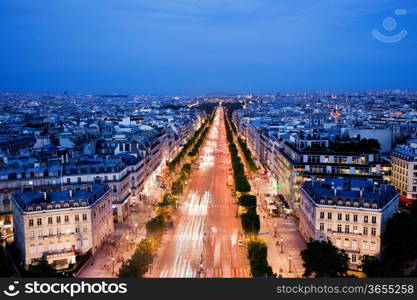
(289,268)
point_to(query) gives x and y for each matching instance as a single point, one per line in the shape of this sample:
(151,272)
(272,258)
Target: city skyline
(213,47)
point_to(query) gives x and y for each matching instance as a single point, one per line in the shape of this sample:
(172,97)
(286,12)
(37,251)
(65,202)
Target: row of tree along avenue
(142,258)
(257,249)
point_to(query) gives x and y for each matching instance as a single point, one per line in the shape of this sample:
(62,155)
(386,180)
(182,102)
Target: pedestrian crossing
(220,206)
(232,273)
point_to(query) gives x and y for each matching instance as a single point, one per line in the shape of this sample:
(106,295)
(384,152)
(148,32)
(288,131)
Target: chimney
(45,196)
(70,193)
(360,193)
(334,191)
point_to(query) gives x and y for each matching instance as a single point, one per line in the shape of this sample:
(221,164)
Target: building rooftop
(350,193)
(37,201)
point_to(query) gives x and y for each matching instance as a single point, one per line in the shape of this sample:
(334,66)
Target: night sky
(205,46)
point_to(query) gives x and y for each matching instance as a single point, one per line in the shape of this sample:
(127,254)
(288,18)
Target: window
(84,217)
(51,232)
(372,245)
(329,216)
(339,228)
(346,228)
(373,231)
(32,235)
(373,219)
(347,217)
(84,229)
(365,244)
(79,179)
(39,221)
(68,180)
(77,229)
(321,215)
(321,226)
(30,222)
(77,218)
(365,219)
(66,219)
(355,218)
(49,220)
(353,258)
(58,219)
(365,231)
(339,217)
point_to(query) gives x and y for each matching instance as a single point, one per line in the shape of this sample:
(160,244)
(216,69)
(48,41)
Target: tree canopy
(323,259)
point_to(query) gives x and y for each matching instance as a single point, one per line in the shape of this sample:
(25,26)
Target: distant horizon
(282,93)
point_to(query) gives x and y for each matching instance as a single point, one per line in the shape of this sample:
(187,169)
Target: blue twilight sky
(204,46)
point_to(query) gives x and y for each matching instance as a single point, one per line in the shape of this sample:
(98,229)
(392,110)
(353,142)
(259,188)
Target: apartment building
(351,213)
(404,171)
(61,225)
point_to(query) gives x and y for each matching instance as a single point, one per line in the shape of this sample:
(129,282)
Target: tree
(257,254)
(374,267)
(156,225)
(250,221)
(5,269)
(42,269)
(247,200)
(399,239)
(323,259)
(138,264)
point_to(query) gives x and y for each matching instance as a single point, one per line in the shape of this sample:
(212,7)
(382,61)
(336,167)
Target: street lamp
(127,241)
(149,215)
(112,259)
(289,268)
(275,230)
(282,242)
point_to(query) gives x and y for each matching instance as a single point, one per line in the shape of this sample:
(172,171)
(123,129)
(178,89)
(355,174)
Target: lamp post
(282,242)
(127,241)
(289,268)
(149,214)
(112,260)
(275,230)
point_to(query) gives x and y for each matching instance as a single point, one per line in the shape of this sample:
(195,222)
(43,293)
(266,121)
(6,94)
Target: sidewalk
(286,230)
(125,238)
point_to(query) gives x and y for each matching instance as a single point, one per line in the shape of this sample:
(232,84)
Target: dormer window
(330,202)
(340,203)
(49,207)
(57,206)
(347,203)
(38,208)
(30,208)
(374,206)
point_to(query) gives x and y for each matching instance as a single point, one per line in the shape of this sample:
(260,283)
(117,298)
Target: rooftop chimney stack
(45,196)
(70,193)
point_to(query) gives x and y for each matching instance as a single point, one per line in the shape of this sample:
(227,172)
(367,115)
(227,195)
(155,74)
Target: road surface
(204,241)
